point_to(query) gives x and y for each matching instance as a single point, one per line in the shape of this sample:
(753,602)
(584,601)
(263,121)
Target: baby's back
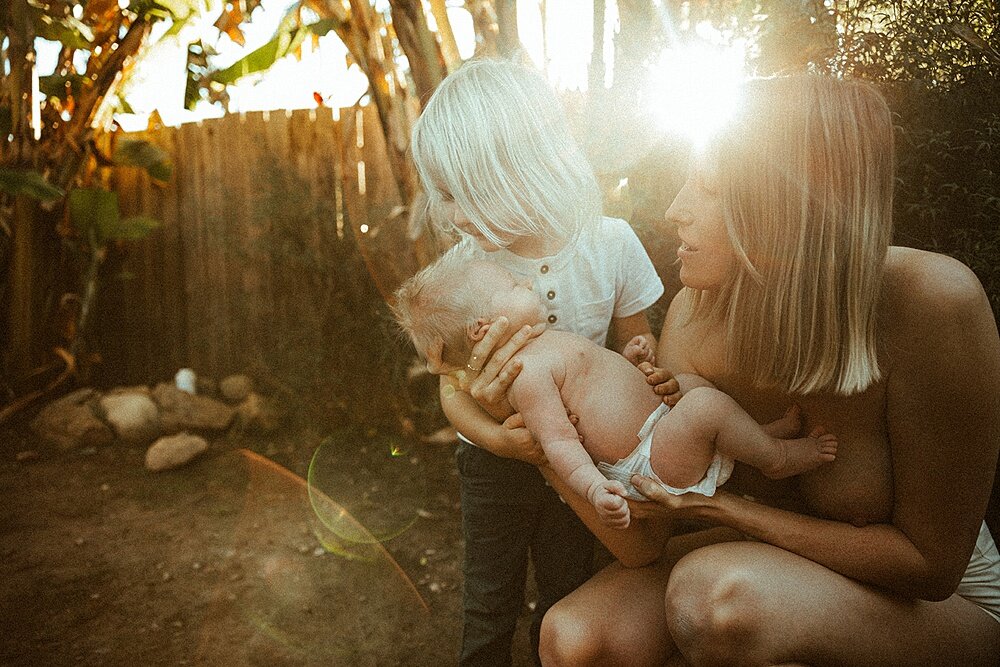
(608,394)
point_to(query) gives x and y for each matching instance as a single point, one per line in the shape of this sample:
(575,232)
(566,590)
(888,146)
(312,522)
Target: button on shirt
(602,274)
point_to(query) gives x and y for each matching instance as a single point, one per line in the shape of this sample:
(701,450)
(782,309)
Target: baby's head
(493,147)
(449,305)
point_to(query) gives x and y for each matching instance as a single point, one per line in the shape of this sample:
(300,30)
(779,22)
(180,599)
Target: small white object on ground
(186,380)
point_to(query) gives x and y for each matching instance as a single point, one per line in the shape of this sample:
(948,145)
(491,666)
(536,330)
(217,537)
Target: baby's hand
(664,384)
(639,350)
(608,498)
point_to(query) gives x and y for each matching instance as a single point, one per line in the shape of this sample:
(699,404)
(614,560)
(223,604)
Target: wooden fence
(262,222)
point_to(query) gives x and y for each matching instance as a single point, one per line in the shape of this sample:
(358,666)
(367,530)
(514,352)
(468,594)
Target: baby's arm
(536,396)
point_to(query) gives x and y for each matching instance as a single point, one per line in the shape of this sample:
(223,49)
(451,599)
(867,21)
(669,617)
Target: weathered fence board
(259,212)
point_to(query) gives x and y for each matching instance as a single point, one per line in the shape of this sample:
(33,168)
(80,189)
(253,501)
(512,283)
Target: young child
(688,448)
(498,163)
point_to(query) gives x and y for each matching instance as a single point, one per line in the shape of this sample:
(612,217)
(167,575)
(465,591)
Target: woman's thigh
(617,617)
(755,604)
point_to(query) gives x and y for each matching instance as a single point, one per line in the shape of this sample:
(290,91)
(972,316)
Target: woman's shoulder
(922,281)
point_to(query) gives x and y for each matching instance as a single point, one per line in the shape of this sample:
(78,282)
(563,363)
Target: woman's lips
(684,250)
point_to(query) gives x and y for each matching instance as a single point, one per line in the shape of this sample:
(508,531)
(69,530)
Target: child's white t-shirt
(603,273)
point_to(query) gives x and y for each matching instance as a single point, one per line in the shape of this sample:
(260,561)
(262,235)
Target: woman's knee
(568,638)
(714,609)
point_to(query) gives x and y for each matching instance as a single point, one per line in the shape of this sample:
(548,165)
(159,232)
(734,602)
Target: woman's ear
(434,354)
(476,330)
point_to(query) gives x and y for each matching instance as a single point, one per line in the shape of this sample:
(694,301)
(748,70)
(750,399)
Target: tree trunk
(449,47)
(508,40)
(484,22)
(418,43)
(595,73)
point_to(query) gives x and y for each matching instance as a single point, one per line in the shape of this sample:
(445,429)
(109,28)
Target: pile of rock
(171,421)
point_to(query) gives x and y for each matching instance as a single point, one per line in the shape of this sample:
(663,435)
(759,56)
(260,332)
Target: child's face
(464,225)
(509,296)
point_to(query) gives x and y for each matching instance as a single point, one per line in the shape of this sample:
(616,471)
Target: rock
(180,411)
(206,386)
(132,414)
(235,388)
(173,451)
(258,412)
(71,422)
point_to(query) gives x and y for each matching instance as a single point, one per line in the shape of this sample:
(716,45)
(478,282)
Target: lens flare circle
(365,494)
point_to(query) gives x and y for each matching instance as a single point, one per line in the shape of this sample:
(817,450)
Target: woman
(793,296)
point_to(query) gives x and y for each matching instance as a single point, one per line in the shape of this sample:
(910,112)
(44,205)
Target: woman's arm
(509,439)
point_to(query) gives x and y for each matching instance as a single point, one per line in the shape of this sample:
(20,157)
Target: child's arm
(466,415)
(535,395)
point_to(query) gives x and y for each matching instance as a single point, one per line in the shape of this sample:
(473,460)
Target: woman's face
(706,255)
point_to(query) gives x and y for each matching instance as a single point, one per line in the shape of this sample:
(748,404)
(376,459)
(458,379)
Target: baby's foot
(803,454)
(786,427)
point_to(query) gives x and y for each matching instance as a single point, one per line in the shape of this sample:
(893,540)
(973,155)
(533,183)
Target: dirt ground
(251,555)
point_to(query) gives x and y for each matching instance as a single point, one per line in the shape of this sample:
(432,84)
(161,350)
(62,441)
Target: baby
(691,447)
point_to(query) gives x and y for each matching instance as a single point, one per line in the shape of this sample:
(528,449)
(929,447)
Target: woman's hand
(662,504)
(663,382)
(520,444)
(489,375)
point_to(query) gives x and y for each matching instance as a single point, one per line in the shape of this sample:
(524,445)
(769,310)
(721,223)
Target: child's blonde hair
(805,173)
(494,140)
(438,303)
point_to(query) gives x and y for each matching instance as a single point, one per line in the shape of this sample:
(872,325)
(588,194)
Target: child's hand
(608,498)
(663,382)
(638,350)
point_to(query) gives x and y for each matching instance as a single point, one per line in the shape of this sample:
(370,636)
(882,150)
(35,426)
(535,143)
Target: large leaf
(93,211)
(141,153)
(30,183)
(261,59)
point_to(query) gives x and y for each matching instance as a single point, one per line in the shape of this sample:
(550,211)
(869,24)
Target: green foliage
(94,213)
(285,43)
(27,182)
(66,30)
(141,153)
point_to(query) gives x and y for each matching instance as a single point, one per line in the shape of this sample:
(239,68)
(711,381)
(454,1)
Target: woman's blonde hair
(439,303)
(494,139)
(805,177)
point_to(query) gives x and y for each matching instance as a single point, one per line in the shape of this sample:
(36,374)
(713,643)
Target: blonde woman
(793,294)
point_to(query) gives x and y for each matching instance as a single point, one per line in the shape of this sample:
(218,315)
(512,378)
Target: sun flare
(695,88)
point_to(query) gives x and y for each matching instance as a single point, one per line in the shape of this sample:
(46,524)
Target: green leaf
(141,153)
(262,58)
(320,28)
(66,30)
(93,212)
(30,183)
(54,85)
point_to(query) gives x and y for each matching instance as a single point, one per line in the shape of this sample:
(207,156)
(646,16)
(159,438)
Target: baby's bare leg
(706,420)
